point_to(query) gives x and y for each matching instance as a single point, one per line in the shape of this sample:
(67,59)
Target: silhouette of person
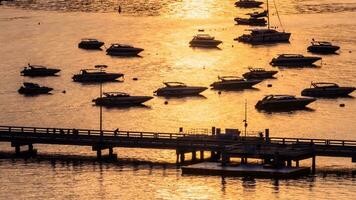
(116,132)
(119,9)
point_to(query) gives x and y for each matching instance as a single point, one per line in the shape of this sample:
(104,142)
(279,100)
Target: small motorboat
(33,89)
(116,99)
(204,40)
(38,70)
(234,82)
(293,60)
(123,50)
(258,14)
(248,3)
(259,73)
(283,102)
(96,75)
(322,47)
(90,43)
(322,89)
(252,21)
(179,89)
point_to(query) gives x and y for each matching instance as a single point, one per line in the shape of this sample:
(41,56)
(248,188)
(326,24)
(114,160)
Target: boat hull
(306,61)
(323,49)
(251,22)
(85,45)
(205,44)
(284,105)
(124,52)
(122,101)
(47,72)
(96,78)
(259,75)
(180,92)
(328,92)
(265,39)
(249,4)
(34,91)
(234,85)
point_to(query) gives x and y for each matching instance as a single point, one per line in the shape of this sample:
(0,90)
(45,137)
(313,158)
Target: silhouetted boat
(179,89)
(204,40)
(38,70)
(259,73)
(322,47)
(123,50)
(112,99)
(33,89)
(252,21)
(258,14)
(293,60)
(283,102)
(248,3)
(322,89)
(90,43)
(96,75)
(268,35)
(234,82)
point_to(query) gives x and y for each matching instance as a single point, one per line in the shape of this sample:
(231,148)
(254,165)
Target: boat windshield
(321,43)
(174,84)
(256,69)
(291,55)
(278,97)
(36,67)
(27,84)
(93,71)
(230,78)
(115,94)
(121,46)
(89,40)
(324,85)
(204,37)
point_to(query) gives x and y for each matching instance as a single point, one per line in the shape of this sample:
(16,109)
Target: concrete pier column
(289,163)
(267,134)
(177,159)
(194,156)
(201,155)
(98,153)
(224,159)
(17,149)
(30,148)
(111,152)
(313,164)
(297,163)
(182,157)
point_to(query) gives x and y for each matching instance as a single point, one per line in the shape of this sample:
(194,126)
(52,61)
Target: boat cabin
(230,78)
(321,43)
(256,69)
(116,45)
(290,56)
(175,84)
(324,85)
(92,71)
(33,85)
(115,94)
(203,37)
(277,97)
(89,40)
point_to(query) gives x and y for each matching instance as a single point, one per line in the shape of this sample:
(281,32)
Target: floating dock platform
(250,170)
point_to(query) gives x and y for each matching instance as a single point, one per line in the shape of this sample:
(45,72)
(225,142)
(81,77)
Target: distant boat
(38,70)
(258,14)
(90,43)
(283,102)
(265,35)
(252,21)
(259,73)
(204,40)
(294,60)
(33,89)
(323,89)
(322,47)
(113,99)
(96,75)
(248,3)
(123,50)
(179,89)
(234,82)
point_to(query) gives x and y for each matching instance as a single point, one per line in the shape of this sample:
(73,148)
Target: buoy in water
(63,91)
(219,92)
(269,85)
(135,79)
(166,102)
(342,105)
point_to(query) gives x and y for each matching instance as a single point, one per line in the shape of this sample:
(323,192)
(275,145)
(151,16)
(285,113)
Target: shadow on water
(288,111)
(172,97)
(235,89)
(123,107)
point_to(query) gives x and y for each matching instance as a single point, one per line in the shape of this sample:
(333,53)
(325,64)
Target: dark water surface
(47,33)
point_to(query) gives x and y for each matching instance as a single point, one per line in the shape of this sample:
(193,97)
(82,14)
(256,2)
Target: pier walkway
(229,145)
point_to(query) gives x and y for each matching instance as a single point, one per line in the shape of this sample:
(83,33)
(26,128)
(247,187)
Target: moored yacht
(234,82)
(90,43)
(258,14)
(123,50)
(252,21)
(179,89)
(38,70)
(248,3)
(294,60)
(112,99)
(96,75)
(33,89)
(259,73)
(323,89)
(322,47)
(204,40)
(283,102)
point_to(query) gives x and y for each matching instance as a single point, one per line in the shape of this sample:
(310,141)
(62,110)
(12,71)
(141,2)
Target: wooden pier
(274,150)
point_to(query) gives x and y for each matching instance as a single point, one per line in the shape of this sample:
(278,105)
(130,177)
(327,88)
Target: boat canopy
(117,45)
(100,66)
(258,31)
(90,39)
(116,94)
(174,84)
(321,43)
(291,55)
(84,71)
(324,85)
(28,84)
(278,97)
(204,37)
(257,69)
(36,66)
(230,78)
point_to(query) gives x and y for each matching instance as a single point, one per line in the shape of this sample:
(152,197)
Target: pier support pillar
(313,164)
(289,163)
(17,149)
(353,158)
(177,159)
(297,163)
(194,156)
(111,152)
(201,155)
(98,153)
(182,157)
(30,148)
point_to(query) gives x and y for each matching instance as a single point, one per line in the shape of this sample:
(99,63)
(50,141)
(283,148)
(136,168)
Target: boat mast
(245,120)
(101,109)
(267,16)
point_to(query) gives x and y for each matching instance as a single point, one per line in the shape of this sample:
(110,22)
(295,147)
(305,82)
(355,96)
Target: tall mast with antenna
(267,16)
(245,120)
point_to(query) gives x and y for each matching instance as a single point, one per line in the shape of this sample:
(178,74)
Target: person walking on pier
(116,132)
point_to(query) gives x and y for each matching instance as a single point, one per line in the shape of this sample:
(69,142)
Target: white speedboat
(179,89)
(204,40)
(283,102)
